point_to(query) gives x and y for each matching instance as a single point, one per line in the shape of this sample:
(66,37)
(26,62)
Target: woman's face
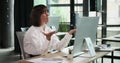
(44,16)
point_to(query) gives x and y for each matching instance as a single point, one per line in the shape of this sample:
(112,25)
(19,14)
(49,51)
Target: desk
(61,55)
(114,38)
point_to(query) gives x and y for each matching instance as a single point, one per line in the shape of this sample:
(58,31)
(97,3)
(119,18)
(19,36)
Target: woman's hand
(72,31)
(48,35)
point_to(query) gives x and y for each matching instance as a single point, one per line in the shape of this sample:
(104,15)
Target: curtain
(22,9)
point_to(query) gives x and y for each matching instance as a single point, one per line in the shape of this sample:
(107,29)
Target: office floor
(8,56)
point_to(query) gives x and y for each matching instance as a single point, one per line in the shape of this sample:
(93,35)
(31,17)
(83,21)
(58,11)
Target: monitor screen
(54,22)
(86,27)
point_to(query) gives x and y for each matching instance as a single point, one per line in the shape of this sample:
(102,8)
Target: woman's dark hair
(35,15)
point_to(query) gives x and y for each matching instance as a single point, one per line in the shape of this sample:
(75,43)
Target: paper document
(106,49)
(45,60)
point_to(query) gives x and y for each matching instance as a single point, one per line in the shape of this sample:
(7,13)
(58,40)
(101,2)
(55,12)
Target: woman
(40,38)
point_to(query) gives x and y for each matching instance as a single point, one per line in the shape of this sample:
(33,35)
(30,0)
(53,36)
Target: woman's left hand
(72,31)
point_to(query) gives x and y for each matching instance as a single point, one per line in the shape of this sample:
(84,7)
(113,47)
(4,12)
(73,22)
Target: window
(62,8)
(113,17)
(37,2)
(59,1)
(63,12)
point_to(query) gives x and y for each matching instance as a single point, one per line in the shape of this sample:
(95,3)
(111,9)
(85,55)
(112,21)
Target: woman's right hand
(48,35)
(72,31)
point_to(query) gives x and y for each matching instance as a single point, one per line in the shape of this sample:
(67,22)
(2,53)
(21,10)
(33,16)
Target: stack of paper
(45,60)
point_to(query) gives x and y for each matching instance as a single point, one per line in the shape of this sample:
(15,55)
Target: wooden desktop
(67,57)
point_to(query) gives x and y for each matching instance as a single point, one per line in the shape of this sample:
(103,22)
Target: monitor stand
(76,55)
(91,49)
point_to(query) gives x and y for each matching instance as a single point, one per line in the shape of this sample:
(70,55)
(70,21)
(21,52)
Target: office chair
(20,36)
(23,29)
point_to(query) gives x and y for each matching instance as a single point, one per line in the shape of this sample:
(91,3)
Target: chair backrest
(23,29)
(20,36)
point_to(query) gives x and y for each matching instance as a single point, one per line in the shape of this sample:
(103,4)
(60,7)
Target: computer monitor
(86,29)
(54,22)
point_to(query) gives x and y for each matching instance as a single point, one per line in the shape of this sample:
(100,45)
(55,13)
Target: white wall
(113,12)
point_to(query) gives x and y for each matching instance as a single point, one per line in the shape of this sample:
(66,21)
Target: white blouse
(35,41)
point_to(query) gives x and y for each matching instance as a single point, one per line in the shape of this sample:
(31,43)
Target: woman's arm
(59,44)
(35,43)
